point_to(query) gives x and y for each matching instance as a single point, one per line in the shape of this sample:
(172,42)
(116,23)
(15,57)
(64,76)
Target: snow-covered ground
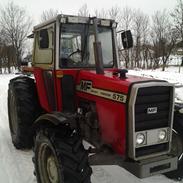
(16,166)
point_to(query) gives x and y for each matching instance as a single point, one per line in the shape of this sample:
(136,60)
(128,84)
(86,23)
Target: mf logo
(85,85)
(152,110)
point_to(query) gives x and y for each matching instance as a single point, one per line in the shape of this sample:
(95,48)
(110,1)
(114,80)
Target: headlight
(181,110)
(140,138)
(162,135)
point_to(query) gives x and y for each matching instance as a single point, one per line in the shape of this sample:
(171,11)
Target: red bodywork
(112,115)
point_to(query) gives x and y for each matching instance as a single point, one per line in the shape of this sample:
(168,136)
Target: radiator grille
(156,96)
(150,108)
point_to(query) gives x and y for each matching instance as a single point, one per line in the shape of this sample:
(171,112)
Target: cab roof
(75,19)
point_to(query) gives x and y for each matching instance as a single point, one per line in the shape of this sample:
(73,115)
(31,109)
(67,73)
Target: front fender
(55,119)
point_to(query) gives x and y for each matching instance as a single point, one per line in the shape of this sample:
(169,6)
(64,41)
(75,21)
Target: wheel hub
(52,170)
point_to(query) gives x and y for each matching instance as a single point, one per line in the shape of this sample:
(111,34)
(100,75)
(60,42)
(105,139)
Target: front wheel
(60,159)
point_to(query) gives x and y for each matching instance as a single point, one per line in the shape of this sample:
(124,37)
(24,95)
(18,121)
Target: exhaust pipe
(97,50)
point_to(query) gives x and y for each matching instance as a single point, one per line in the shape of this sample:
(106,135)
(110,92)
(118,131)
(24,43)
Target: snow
(175,60)
(16,166)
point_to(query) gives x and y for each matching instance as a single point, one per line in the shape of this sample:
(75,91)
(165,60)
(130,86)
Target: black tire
(65,151)
(23,109)
(177,143)
(177,150)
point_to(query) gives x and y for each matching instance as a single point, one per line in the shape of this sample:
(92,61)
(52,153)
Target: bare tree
(126,18)
(83,11)
(125,23)
(140,28)
(101,13)
(163,37)
(48,14)
(15,25)
(7,58)
(115,13)
(177,16)
(146,46)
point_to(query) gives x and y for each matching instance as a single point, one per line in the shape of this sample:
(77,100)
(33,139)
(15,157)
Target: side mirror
(43,38)
(127,39)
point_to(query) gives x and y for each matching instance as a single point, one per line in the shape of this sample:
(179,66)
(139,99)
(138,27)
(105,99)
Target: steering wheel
(74,52)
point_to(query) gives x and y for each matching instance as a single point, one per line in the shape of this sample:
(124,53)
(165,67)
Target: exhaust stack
(97,50)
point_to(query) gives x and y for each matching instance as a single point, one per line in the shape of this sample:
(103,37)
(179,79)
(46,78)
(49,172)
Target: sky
(36,7)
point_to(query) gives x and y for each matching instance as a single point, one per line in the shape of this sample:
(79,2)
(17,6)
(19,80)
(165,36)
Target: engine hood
(109,81)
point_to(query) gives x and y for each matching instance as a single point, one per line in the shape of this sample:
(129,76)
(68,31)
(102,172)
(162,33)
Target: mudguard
(55,119)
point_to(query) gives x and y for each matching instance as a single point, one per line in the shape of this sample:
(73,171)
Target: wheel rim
(52,169)
(48,165)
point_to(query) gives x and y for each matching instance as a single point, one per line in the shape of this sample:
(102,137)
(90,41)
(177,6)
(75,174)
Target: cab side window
(44,46)
(43,39)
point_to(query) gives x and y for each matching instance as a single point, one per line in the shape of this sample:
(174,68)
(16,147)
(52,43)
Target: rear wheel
(60,158)
(177,142)
(177,150)
(23,109)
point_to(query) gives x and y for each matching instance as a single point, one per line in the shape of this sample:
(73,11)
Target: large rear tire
(23,109)
(60,157)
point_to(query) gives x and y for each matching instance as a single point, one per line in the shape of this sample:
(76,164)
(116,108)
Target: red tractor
(78,94)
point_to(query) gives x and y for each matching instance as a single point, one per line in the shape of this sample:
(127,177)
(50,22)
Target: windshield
(76,45)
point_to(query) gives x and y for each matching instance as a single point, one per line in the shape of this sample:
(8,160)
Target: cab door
(43,62)
(69,66)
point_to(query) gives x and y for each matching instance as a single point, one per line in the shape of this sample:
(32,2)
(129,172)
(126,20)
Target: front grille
(156,96)
(150,109)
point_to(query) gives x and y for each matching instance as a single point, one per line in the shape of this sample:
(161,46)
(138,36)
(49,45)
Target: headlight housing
(162,135)
(140,139)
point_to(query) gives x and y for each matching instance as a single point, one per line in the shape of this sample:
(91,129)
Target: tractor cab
(69,42)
